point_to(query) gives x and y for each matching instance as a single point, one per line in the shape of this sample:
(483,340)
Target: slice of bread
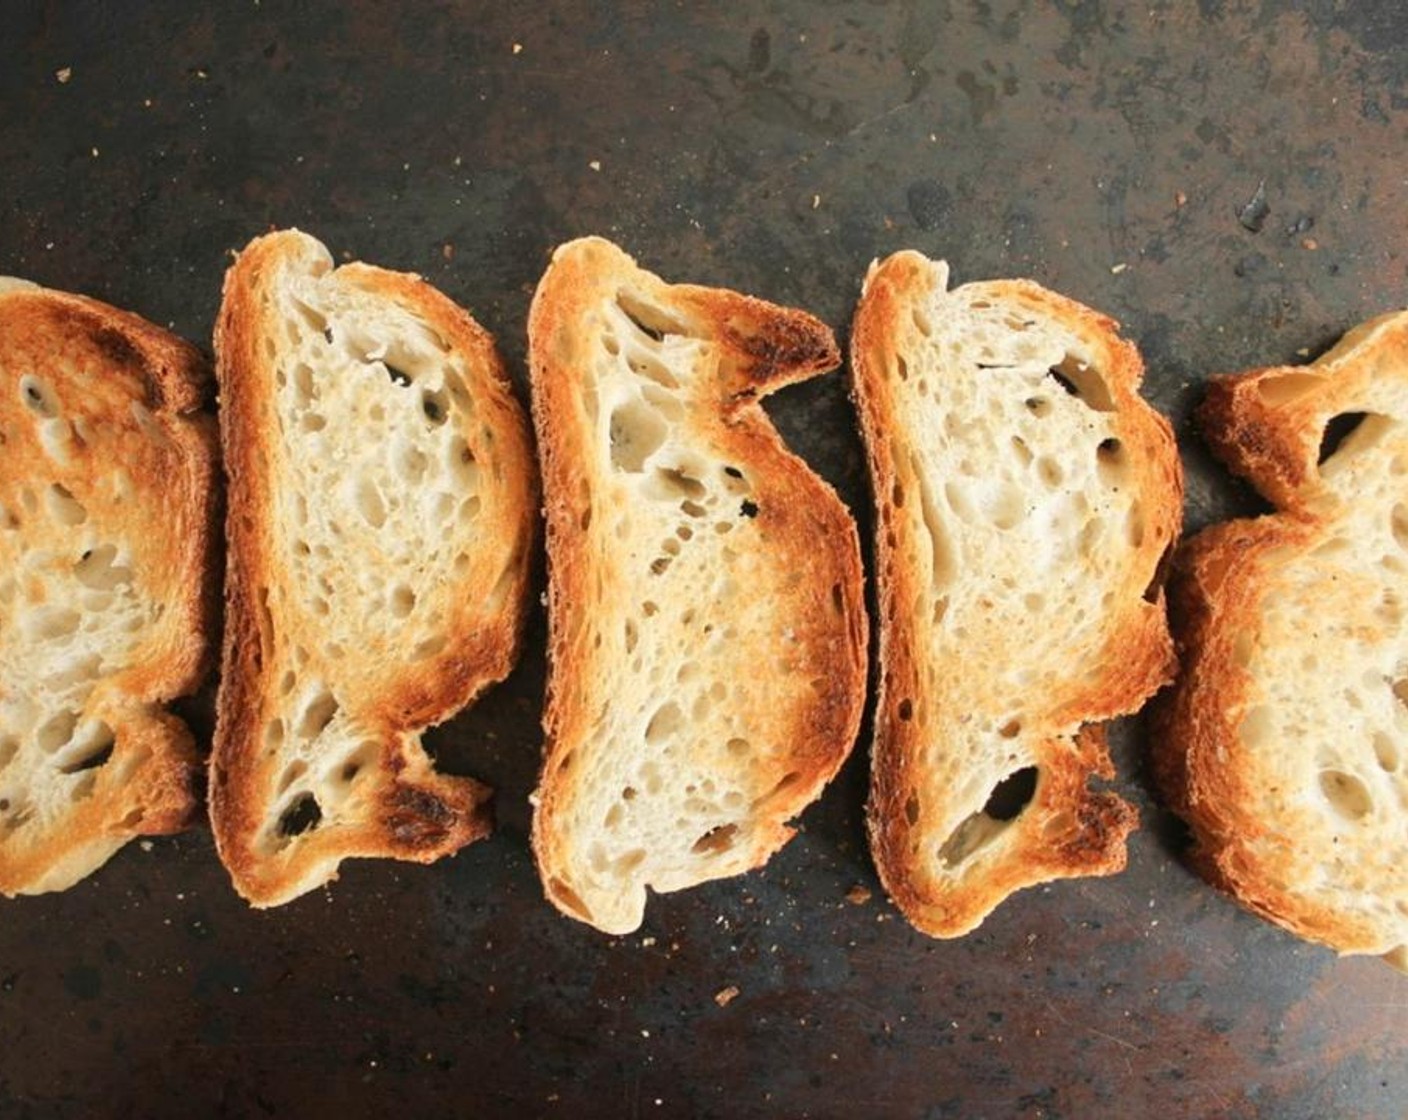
(1026,496)
(108,592)
(1285,744)
(381,517)
(707,626)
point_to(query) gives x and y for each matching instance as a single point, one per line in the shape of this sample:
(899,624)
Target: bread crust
(755,348)
(1066,829)
(128,442)
(1276,846)
(405,809)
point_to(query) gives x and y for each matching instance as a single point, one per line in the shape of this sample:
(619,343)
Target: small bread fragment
(381,515)
(1285,744)
(107,583)
(707,628)
(1026,495)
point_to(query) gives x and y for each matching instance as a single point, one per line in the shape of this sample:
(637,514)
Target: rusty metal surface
(1113,152)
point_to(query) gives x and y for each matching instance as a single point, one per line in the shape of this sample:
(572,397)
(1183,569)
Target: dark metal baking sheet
(1109,150)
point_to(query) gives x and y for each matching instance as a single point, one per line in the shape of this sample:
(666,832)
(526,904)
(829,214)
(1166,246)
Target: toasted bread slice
(707,627)
(381,513)
(1285,744)
(1026,495)
(107,586)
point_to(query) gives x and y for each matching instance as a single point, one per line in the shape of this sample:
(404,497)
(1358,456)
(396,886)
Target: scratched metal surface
(1104,149)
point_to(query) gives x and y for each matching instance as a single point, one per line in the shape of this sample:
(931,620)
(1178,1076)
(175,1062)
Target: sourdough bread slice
(1026,495)
(107,583)
(1285,744)
(381,514)
(707,628)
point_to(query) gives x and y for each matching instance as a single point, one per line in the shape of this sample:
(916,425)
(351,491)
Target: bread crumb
(63,74)
(1180,199)
(1116,269)
(146,845)
(1310,243)
(447,251)
(517,48)
(816,201)
(858,895)
(1303,352)
(725,996)
(595,165)
(95,152)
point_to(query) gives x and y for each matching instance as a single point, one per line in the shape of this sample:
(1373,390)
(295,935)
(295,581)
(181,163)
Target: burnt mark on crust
(416,819)
(786,343)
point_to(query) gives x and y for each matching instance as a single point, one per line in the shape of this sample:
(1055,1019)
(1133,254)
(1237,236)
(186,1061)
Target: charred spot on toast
(417,819)
(786,343)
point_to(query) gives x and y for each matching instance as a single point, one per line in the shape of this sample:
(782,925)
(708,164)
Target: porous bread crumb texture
(96,596)
(1294,710)
(1020,522)
(393,500)
(687,651)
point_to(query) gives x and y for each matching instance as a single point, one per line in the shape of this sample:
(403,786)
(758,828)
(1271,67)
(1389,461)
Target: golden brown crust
(757,348)
(140,459)
(407,810)
(1257,835)
(1067,829)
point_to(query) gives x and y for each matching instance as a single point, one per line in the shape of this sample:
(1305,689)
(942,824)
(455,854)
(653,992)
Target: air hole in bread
(734,473)
(429,647)
(1398,523)
(94,746)
(369,503)
(1037,406)
(675,483)
(292,772)
(357,762)
(567,898)
(403,601)
(636,432)
(63,507)
(56,731)
(901,367)
(1346,794)
(97,569)
(273,735)
(911,809)
(1110,458)
(922,323)
(435,406)
(1337,430)
(50,623)
(650,320)
(317,714)
(411,463)
(38,397)
(692,508)
(718,839)
(664,724)
(1386,752)
(304,390)
(897,494)
(398,376)
(1023,450)
(905,709)
(1010,730)
(1011,795)
(313,422)
(1084,382)
(632,636)
(670,547)
(9,747)
(748,508)
(659,565)
(722,527)
(302,816)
